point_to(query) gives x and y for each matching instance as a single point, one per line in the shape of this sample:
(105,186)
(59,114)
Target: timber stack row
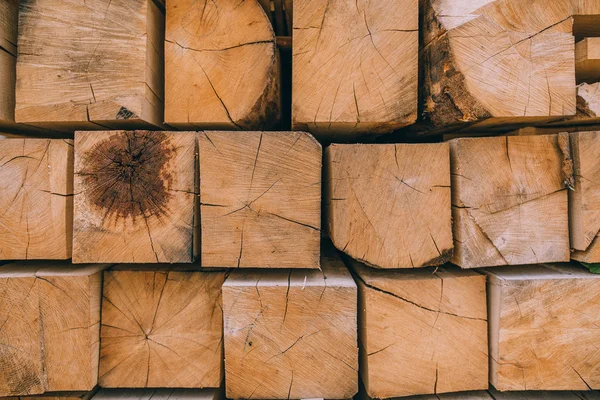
(402,202)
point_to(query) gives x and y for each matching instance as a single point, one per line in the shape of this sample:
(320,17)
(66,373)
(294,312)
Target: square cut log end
(96,66)
(171,338)
(291,333)
(355,67)
(36,198)
(51,329)
(260,199)
(530,331)
(421,333)
(135,197)
(367,184)
(509,200)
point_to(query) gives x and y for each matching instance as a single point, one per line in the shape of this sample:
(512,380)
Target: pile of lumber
(309,199)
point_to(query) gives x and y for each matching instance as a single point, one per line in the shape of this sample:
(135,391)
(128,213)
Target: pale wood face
(8,58)
(509,201)
(85,61)
(161,329)
(135,195)
(389,205)
(216,51)
(355,66)
(543,344)
(49,333)
(511,61)
(260,195)
(35,196)
(287,340)
(422,333)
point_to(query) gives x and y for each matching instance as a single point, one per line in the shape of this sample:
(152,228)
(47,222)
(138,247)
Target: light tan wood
(134,197)
(56,396)
(89,65)
(158,394)
(161,327)
(509,200)
(587,60)
(503,60)
(36,188)
(260,196)
(8,59)
(421,332)
(388,205)
(291,334)
(355,66)
(536,341)
(49,327)
(222,66)
(588,104)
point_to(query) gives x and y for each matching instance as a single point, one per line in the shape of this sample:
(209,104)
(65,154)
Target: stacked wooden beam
(158,241)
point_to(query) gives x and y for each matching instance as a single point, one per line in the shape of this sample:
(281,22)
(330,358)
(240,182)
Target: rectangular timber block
(161,327)
(291,333)
(388,205)
(260,199)
(50,330)
(90,65)
(544,328)
(36,189)
(509,200)
(8,60)
(421,332)
(158,394)
(135,196)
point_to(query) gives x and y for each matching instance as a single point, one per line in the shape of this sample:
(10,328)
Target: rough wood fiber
(587,60)
(134,197)
(8,59)
(584,201)
(36,187)
(291,334)
(509,200)
(260,195)
(503,60)
(161,328)
(91,64)
(222,66)
(421,332)
(355,66)
(50,327)
(543,328)
(388,205)
(158,394)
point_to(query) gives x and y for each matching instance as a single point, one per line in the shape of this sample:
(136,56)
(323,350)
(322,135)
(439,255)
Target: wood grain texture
(8,59)
(260,195)
(495,395)
(584,201)
(222,66)
(161,328)
(389,205)
(36,188)
(355,66)
(504,60)
(158,394)
(291,334)
(509,200)
(56,396)
(134,197)
(421,332)
(543,328)
(50,327)
(89,65)
(587,60)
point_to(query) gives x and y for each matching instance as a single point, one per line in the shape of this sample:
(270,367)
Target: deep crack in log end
(127,175)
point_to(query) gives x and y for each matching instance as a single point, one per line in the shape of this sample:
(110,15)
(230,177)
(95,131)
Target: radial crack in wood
(222,66)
